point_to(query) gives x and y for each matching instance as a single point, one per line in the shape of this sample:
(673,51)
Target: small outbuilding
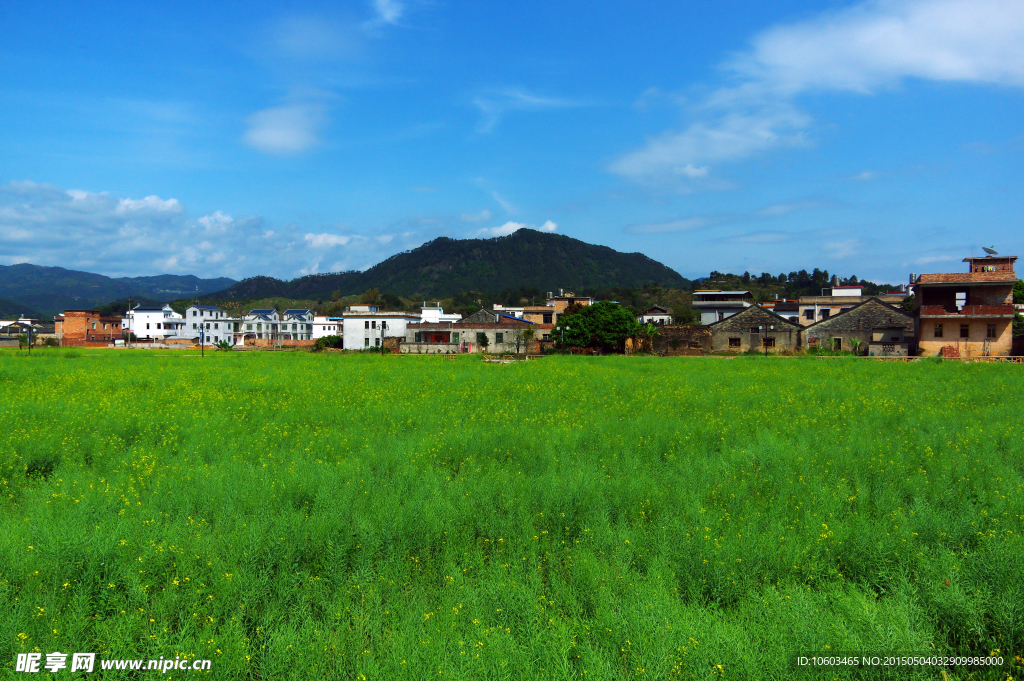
(755,328)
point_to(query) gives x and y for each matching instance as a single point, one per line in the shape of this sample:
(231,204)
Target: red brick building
(87,325)
(970,313)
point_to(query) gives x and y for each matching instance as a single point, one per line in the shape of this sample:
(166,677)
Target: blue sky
(236,139)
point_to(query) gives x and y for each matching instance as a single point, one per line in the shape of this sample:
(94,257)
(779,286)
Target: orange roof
(999,277)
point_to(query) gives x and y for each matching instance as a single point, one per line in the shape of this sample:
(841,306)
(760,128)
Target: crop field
(324,516)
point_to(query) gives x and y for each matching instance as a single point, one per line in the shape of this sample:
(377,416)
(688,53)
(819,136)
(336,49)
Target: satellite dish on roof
(990,251)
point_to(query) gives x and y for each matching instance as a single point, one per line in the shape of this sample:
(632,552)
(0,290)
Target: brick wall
(683,340)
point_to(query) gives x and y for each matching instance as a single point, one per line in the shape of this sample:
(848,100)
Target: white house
(296,325)
(261,323)
(433,314)
(153,321)
(363,329)
(209,323)
(714,306)
(326,326)
(656,315)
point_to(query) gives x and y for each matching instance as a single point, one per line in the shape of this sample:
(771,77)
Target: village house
(208,324)
(260,324)
(656,315)
(755,328)
(435,314)
(367,326)
(296,324)
(714,305)
(873,328)
(482,331)
(326,326)
(814,309)
(968,313)
(87,325)
(153,322)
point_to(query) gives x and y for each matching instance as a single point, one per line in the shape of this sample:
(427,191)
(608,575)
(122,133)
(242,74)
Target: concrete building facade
(967,314)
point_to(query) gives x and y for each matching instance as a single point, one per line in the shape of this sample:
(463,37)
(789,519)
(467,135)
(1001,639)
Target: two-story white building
(365,328)
(261,323)
(153,322)
(715,305)
(326,326)
(296,325)
(434,314)
(209,324)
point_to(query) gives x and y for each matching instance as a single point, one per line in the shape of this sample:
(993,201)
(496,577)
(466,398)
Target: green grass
(299,515)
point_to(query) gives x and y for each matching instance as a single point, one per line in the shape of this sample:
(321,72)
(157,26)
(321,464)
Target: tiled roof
(205,307)
(1005,276)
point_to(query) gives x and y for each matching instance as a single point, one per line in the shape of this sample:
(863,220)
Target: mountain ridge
(444,267)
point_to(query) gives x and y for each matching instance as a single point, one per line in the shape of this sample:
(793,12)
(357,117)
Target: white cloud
(117,236)
(680,225)
(218,222)
(865,48)
(286,129)
(511,227)
(495,104)
(389,11)
(863,176)
(150,203)
(321,241)
(482,216)
(841,249)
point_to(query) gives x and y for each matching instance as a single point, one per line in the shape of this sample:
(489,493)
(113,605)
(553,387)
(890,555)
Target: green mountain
(50,290)
(445,267)
(12,310)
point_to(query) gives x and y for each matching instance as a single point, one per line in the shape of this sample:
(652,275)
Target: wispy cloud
(482,216)
(863,49)
(842,249)
(388,11)
(681,225)
(286,129)
(494,105)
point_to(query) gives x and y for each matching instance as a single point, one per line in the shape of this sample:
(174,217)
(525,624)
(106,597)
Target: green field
(323,516)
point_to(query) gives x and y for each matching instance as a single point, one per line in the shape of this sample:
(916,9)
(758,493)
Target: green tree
(370,297)
(602,324)
(684,314)
(909,304)
(1018,325)
(1018,292)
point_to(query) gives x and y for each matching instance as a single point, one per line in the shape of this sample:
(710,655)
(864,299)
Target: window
(455,337)
(248,327)
(373,324)
(418,338)
(825,312)
(837,343)
(366,325)
(768,342)
(259,327)
(795,320)
(207,324)
(147,325)
(965,330)
(991,331)
(366,342)
(547,336)
(94,325)
(938,330)
(105,326)
(481,338)
(809,313)
(547,317)
(193,314)
(755,330)
(734,342)
(295,327)
(721,316)
(216,326)
(376,342)
(499,338)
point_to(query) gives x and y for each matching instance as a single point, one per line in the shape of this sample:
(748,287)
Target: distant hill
(12,310)
(445,267)
(50,290)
